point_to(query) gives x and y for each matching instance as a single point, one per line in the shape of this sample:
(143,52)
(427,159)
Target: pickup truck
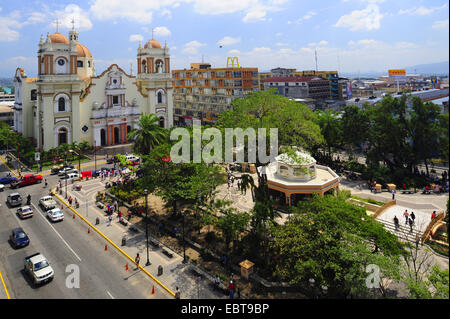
(38,268)
(47,202)
(27,180)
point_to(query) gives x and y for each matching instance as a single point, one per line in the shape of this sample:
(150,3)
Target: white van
(71,176)
(131,157)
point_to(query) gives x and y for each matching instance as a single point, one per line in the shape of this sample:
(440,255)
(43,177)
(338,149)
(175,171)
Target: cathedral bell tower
(155,80)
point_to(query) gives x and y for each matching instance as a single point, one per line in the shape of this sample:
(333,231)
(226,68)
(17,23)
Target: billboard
(397,73)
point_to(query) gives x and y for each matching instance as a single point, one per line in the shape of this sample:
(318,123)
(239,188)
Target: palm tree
(247,182)
(148,135)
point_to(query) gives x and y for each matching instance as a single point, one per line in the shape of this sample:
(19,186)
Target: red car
(134,163)
(27,180)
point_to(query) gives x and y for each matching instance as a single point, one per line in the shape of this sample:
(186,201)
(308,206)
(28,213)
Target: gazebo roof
(296,158)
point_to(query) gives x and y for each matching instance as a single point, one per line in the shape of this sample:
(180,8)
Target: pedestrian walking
(70,200)
(433,215)
(406,214)
(413,217)
(217,282)
(410,224)
(231,288)
(115,205)
(137,260)
(396,223)
(109,219)
(177,293)
(393,194)
(45,181)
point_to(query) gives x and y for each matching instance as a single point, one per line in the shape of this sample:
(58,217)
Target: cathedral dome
(59,38)
(153,44)
(82,51)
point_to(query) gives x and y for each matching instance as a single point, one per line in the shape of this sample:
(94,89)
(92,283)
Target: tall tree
(148,135)
(331,129)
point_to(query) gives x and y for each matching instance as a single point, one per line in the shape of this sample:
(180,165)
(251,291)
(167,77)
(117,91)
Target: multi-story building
(203,92)
(300,87)
(4,97)
(68,102)
(332,76)
(345,89)
(262,76)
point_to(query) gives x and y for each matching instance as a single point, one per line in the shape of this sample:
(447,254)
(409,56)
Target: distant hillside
(439,68)
(6,82)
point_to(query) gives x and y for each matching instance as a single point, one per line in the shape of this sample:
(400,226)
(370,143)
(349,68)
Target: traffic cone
(153,290)
(126,267)
(73,216)
(106,247)
(62,207)
(89,230)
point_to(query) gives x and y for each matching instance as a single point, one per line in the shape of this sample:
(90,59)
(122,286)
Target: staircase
(403,232)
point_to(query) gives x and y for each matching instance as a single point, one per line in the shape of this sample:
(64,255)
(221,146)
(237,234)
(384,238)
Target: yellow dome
(82,51)
(59,38)
(153,44)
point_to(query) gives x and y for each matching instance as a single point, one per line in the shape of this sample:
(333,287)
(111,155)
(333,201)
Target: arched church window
(61,104)
(160,97)
(161,122)
(62,136)
(80,64)
(144,67)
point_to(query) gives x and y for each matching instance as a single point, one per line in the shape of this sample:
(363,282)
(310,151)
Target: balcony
(115,112)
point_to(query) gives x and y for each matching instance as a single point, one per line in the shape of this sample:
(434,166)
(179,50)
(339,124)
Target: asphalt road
(102,273)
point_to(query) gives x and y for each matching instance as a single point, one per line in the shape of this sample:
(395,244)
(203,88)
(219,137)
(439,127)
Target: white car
(47,202)
(65,170)
(2,187)
(55,214)
(70,177)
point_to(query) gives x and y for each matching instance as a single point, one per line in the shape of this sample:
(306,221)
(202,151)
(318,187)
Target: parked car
(47,202)
(7,179)
(14,199)
(38,268)
(131,157)
(112,160)
(2,187)
(25,212)
(55,214)
(19,238)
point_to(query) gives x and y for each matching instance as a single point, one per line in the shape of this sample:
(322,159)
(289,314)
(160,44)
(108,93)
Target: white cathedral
(68,102)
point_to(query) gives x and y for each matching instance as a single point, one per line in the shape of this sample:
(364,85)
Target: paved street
(103,273)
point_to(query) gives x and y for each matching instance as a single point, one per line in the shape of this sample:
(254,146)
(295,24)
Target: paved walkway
(175,272)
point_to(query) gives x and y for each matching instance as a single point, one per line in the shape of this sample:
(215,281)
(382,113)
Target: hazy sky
(349,35)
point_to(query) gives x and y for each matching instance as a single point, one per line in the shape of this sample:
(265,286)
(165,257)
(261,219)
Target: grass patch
(368,200)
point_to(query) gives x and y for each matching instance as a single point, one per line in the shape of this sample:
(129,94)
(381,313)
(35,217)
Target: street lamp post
(95,156)
(183,212)
(65,170)
(146,223)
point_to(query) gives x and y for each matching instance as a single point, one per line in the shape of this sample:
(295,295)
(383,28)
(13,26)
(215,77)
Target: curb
(112,243)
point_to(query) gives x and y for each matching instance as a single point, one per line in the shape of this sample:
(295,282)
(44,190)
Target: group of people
(409,220)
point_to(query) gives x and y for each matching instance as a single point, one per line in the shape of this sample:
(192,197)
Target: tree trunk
(426,166)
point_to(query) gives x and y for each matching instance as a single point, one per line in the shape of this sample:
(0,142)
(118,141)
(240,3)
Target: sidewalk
(175,272)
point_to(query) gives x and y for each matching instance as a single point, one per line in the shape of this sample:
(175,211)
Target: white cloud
(366,19)
(234,52)
(7,24)
(215,7)
(228,41)
(72,11)
(162,32)
(443,24)
(166,12)
(281,44)
(406,45)
(307,16)
(318,44)
(136,37)
(192,47)
(421,11)
(255,15)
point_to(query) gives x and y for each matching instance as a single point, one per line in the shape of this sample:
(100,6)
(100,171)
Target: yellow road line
(4,286)
(8,166)
(112,243)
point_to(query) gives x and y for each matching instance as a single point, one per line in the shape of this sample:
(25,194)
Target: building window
(89,63)
(61,104)
(80,64)
(160,97)
(33,95)
(62,136)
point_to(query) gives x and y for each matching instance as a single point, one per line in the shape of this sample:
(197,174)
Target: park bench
(154,243)
(167,253)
